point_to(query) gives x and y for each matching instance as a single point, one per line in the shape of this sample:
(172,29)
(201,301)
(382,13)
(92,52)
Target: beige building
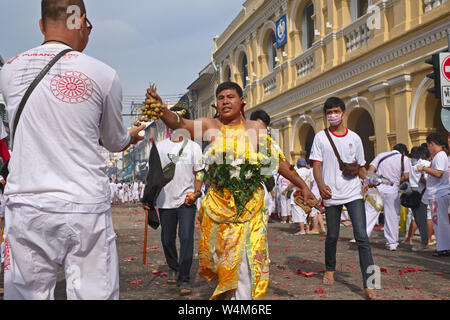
(370,53)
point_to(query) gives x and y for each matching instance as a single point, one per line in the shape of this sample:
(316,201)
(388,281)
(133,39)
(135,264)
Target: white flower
(248,175)
(236,163)
(236,173)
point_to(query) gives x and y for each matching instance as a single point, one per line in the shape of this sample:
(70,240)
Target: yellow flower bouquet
(233,164)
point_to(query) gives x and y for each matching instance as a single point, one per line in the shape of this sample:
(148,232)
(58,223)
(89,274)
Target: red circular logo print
(72,87)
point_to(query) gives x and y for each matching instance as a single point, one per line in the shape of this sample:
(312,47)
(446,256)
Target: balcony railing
(357,34)
(270,83)
(304,63)
(432,4)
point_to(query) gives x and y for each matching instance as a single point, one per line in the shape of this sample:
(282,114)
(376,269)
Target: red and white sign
(445,78)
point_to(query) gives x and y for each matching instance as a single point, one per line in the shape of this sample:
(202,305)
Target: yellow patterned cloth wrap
(223,238)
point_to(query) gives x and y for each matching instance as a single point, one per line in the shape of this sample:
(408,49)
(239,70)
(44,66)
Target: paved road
(292,258)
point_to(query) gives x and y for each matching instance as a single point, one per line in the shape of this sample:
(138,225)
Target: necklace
(56,41)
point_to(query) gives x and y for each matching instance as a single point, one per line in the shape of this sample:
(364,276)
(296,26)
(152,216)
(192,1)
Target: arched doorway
(361,122)
(306,135)
(433,116)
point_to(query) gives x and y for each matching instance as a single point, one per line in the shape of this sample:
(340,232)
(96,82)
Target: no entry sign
(445,78)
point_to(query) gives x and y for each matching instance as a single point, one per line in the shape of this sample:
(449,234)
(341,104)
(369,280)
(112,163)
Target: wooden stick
(145,237)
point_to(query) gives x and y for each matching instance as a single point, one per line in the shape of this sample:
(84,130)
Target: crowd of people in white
(125,192)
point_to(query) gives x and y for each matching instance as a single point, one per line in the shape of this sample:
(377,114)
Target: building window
(244,71)
(272,52)
(308,26)
(358,8)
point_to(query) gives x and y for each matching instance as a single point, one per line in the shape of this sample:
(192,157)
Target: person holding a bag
(417,180)
(338,157)
(176,208)
(438,193)
(393,166)
(69,105)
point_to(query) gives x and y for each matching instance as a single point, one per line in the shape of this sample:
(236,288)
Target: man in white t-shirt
(337,190)
(174,210)
(437,193)
(285,202)
(395,167)
(298,214)
(58,207)
(135,193)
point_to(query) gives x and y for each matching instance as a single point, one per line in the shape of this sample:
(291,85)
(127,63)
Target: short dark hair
(418,153)
(187,114)
(332,103)
(261,115)
(229,85)
(402,148)
(437,139)
(56,10)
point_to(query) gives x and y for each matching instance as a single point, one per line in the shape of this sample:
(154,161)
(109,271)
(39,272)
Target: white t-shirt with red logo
(57,154)
(350,149)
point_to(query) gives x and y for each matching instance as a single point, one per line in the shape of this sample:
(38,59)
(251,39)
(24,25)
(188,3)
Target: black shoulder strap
(384,158)
(333,146)
(175,159)
(33,86)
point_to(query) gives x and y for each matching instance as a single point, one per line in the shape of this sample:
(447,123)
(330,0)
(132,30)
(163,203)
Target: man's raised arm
(175,121)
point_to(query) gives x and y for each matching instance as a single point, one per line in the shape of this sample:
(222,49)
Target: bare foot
(328,278)
(370,294)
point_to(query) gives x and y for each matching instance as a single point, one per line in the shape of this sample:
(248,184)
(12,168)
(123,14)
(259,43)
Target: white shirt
(306,175)
(56,149)
(350,148)
(438,187)
(415,175)
(314,189)
(135,186)
(174,193)
(391,168)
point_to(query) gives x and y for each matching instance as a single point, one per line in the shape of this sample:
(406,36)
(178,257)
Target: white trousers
(298,214)
(391,206)
(285,205)
(244,287)
(439,216)
(37,243)
(372,216)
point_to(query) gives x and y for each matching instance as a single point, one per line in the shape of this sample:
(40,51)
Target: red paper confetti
(385,270)
(303,261)
(287,249)
(306,274)
(153,248)
(135,282)
(149,264)
(321,239)
(408,269)
(351,266)
(320,291)
(129,259)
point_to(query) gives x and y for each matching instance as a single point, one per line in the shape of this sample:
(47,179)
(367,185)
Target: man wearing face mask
(337,188)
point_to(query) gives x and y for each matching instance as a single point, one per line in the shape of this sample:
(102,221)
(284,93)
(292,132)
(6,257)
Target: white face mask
(335,119)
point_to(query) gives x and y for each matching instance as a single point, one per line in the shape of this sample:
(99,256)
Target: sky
(166,42)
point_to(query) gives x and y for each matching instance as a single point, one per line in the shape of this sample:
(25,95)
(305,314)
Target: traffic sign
(445,78)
